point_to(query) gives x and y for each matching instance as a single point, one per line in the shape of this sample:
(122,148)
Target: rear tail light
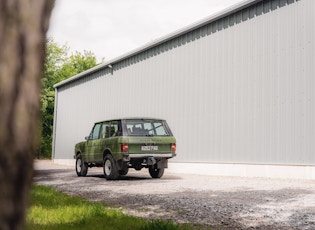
(124,148)
(173,147)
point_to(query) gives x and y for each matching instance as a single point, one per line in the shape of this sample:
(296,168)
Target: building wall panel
(237,90)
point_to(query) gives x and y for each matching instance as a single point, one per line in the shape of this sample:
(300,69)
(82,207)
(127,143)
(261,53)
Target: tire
(123,172)
(155,172)
(110,168)
(81,167)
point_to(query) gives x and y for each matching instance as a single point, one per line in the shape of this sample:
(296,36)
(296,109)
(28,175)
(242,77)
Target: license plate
(149,148)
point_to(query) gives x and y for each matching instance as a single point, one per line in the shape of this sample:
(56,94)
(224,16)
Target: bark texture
(23,25)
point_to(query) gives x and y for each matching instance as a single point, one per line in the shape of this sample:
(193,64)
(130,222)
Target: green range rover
(120,144)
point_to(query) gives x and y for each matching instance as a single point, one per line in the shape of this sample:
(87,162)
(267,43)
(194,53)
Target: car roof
(132,118)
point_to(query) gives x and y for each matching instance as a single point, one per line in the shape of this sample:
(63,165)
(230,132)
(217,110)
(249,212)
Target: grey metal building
(236,88)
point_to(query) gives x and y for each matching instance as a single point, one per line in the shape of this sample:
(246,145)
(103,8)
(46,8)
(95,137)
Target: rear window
(147,128)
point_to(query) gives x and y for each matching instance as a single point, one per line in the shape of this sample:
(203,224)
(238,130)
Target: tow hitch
(151,161)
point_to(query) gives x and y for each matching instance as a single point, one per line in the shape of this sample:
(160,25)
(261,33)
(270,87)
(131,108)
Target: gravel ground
(218,202)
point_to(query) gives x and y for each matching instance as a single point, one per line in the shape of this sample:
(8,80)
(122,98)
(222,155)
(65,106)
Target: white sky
(110,28)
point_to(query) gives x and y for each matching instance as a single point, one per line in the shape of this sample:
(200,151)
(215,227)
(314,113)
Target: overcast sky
(110,28)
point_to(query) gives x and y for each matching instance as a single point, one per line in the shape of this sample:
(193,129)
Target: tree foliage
(59,65)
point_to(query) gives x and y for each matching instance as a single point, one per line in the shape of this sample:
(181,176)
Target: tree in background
(23,26)
(59,65)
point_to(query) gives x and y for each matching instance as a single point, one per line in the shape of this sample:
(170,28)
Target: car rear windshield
(143,127)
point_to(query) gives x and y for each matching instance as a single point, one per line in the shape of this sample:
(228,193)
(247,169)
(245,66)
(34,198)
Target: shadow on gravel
(48,175)
(122,178)
(66,174)
(134,176)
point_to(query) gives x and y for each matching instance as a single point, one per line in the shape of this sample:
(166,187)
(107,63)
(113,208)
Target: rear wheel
(155,172)
(81,167)
(110,168)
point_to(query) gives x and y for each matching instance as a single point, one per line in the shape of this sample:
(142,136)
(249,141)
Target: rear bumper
(127,156)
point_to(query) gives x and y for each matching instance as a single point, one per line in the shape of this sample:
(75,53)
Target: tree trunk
(23,25)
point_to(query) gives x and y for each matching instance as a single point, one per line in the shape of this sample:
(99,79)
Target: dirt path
(223,202)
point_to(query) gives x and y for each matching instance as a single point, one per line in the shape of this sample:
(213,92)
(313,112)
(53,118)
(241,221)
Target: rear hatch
(149,136)
(151,144)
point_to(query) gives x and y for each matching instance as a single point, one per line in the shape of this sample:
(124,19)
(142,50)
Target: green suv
(120,144)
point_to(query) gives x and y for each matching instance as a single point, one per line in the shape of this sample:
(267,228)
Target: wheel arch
(106,152)
(77,153)
(109,152)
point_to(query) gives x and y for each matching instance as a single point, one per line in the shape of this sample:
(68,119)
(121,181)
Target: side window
(114,129)
(105,130)
(95,132)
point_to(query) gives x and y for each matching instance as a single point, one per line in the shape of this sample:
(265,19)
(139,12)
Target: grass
(55,210)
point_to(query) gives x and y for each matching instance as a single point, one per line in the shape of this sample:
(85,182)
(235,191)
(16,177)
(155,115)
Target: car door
(112,140)
(102,143)
(92,144)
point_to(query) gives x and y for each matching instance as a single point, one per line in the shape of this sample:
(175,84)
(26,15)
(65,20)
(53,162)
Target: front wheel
(80,166)
(155,172)
(110,168)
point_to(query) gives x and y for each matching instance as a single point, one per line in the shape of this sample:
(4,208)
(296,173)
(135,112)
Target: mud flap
(162,163)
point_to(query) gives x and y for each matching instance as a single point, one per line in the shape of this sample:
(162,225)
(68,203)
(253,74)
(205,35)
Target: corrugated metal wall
(239,89)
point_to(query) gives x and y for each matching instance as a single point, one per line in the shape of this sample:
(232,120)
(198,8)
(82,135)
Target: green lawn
(55,210)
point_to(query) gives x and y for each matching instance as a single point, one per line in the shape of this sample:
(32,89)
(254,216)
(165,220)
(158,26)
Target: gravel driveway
(219,202)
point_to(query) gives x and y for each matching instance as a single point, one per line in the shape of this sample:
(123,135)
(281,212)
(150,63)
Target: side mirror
(87,138)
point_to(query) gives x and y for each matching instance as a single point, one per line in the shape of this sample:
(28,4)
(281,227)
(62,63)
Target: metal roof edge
(230,10)
(78,76)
